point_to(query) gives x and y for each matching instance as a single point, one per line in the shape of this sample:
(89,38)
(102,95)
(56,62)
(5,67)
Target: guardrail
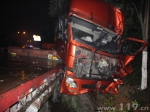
(31,95)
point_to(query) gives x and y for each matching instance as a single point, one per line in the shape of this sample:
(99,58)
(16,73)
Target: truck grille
(90,65)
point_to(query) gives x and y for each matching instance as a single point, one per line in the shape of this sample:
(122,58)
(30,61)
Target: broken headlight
(70,82)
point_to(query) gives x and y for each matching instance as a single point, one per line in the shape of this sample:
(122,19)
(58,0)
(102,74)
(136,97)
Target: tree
(58,7)
(143,15)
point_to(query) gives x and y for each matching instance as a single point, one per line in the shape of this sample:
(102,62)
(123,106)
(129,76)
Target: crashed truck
(90,43)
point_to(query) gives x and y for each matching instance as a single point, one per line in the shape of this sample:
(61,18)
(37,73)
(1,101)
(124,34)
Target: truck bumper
(84,86)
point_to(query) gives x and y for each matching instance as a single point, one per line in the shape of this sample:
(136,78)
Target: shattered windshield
(95,36)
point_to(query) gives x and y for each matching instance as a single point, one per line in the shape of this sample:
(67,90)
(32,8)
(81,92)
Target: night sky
(30,16)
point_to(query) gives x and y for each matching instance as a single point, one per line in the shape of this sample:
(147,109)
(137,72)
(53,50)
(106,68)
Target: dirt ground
(128,100)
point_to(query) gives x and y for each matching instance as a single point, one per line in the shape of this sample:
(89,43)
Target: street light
(21,35)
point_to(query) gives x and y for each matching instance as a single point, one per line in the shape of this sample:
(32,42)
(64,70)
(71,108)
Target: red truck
(89,41)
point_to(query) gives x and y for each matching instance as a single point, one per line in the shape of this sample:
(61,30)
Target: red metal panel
(99,12)
(111,86)
(12,96)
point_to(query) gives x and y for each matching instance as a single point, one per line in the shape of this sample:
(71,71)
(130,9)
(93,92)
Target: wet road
(17,70)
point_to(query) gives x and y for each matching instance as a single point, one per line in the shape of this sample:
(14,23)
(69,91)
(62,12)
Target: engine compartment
(90,65)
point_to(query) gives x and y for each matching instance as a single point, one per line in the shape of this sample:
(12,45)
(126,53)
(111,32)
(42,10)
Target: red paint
(12,96)
(104,15)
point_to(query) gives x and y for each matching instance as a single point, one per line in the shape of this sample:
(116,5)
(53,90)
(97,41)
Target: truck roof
(100,13)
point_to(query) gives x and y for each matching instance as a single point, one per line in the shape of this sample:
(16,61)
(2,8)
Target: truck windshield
(95,36)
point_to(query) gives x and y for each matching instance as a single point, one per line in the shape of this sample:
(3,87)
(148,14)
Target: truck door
(131,47)
(60,39)
(61,47)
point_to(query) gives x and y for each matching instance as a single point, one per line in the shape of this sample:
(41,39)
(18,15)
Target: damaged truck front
(89,41)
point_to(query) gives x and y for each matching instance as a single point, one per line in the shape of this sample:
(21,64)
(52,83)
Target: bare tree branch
(136,10)
(147,19)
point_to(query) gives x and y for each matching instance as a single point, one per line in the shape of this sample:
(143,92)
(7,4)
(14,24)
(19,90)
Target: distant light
(37,38)
(22,32)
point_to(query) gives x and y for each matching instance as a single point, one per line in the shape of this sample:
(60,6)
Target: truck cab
(89,41)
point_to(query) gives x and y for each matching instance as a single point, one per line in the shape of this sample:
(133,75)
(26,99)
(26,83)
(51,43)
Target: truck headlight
(70,82)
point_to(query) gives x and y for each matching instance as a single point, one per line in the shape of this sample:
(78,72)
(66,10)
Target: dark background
(30,16)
